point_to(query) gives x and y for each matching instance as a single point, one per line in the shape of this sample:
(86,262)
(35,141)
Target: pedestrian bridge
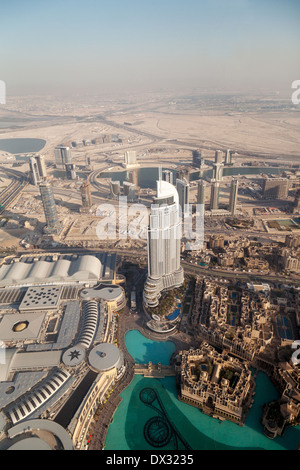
(154,370)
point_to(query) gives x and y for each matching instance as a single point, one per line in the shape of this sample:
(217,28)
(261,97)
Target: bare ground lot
(259,125)
(259,133)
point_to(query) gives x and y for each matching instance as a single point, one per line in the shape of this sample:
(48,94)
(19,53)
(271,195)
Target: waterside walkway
(129,322)
(156,371)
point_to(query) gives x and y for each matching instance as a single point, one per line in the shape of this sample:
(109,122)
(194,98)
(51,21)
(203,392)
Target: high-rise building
(218,171)
(182,188)
(167,175)
(133,177)
(214,198)
(296,205)
(63,156)
(219,156)
(183,173)
(233,196)
(115,189)
(164,241)
(41,165)
(130,158)
(88,163)
(86,196)
(198,160)
(276,188)
(34,172)
(70,171)
(52,223)
(201,192)
(37,168)
(228,157)
(129,190)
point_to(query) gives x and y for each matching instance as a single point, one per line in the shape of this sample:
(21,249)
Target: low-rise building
(222,386)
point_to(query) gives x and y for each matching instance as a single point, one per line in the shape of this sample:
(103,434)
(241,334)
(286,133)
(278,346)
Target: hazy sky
(95,45)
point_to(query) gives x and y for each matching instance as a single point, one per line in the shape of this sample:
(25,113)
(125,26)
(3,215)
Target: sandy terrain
(254,124)
(257,133)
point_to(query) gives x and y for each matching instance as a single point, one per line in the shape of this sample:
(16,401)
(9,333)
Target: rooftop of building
(57,269)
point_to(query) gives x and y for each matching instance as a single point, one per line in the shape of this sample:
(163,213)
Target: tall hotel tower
(164,240)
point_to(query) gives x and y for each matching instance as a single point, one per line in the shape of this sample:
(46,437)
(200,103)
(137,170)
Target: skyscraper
(115,189)
(37,168)
(129,190)
(34,171)
(164,240)
(296,204)
(198,160)
(219,156)
(86,197)
(63,156)
(228,157)
(133,177)
(182,188)
(70,171)
(233,196)
(88,163)
(218,171)
(167,175)
(52,223)
(41,165)
(201,192)
(130,158)
(183,173)
(214,198)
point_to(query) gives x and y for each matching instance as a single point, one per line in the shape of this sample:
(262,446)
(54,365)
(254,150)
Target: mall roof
(106,293)
(104,357)
(83,269)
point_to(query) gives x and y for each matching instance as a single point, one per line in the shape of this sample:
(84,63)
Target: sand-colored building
(222,386)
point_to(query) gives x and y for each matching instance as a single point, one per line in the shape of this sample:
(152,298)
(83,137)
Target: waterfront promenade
(128,322)
(156,371)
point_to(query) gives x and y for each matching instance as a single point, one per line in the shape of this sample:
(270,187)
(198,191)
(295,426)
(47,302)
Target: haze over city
(101,46)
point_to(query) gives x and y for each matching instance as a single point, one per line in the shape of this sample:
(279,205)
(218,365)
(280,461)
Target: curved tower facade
(164,239)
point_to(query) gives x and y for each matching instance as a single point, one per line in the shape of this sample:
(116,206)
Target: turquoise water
(144,350)
(147,177)
(143,423)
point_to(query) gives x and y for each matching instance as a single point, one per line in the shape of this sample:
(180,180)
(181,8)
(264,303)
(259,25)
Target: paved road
(195,269)
(189,268)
